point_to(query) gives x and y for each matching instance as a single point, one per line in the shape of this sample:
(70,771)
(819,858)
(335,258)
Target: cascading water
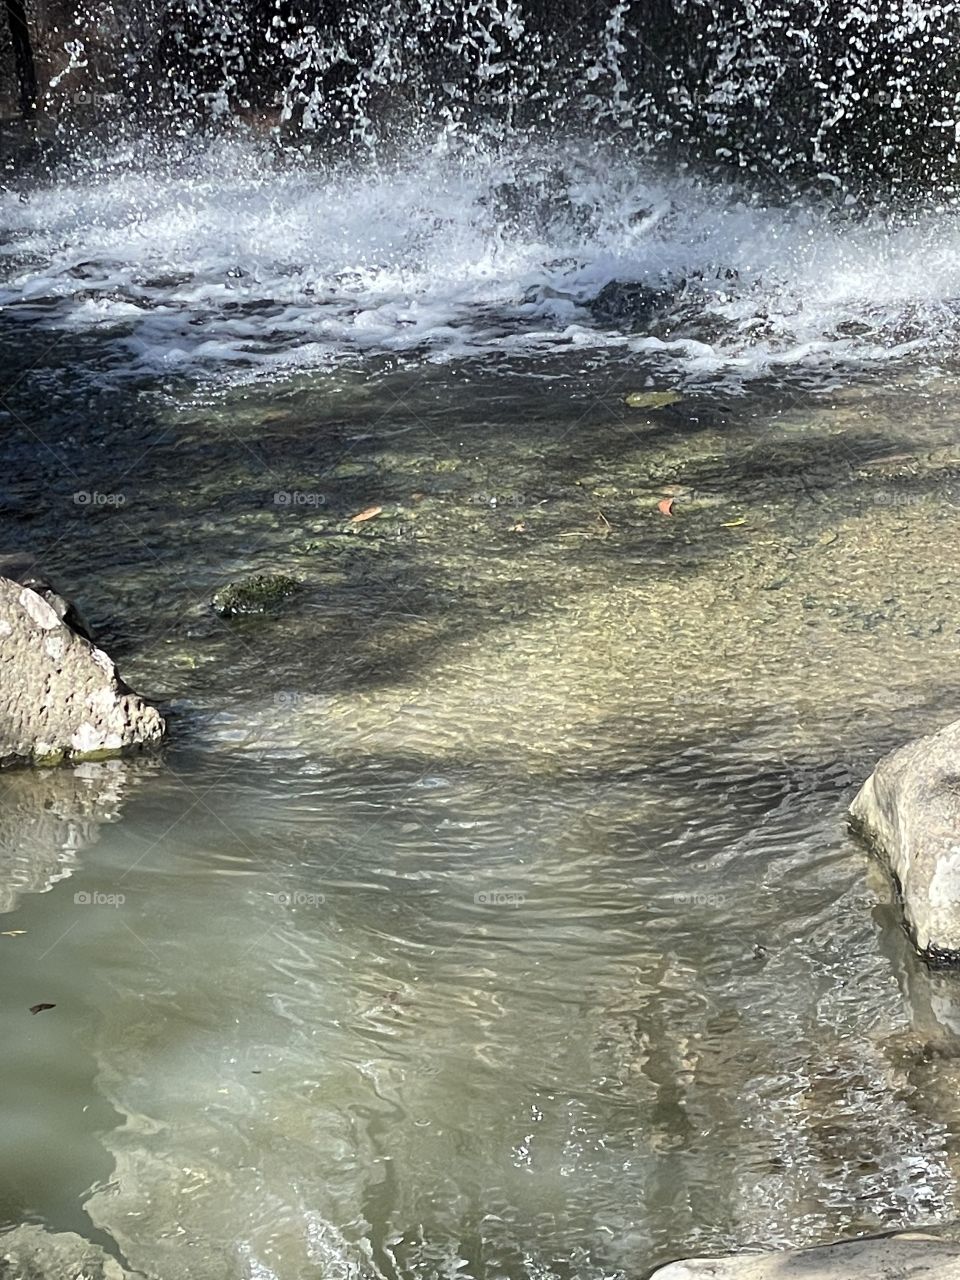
(866,91)
(277,154)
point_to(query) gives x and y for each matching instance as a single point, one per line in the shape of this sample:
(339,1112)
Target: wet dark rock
(259,594)
(31,1253)
(61,698)
(630,305)
(909,812)
(892,1257)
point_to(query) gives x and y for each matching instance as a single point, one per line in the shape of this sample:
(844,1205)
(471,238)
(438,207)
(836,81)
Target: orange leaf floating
(366,514)
(665,506)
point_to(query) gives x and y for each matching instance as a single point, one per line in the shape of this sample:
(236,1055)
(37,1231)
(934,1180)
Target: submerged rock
(61,698)
(896,1257)
(630,305)
(909,812)
(31,1253)
(253,595)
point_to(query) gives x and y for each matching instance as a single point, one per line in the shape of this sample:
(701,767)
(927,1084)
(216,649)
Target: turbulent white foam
(234,261)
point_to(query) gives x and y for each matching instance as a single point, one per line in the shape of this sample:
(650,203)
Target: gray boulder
(31,1253)
(61,697)
(909,812)
(898,1257)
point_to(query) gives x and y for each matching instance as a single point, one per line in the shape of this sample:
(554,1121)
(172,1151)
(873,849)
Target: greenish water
(492,909)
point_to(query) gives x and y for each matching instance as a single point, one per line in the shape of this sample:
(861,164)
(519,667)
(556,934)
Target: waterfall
(866,93)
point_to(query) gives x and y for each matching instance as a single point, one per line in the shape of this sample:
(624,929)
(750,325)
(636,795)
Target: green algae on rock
(258,594)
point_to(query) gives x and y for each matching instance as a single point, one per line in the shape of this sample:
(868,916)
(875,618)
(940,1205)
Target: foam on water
(235,262)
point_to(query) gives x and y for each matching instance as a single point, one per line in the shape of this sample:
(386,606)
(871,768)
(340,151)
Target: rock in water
(61,697)
(899,1257)
(909,812)
(31,1253)
(259,594)
(630,305)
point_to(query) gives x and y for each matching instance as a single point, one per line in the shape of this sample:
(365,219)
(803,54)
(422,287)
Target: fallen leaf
(652,399)
(13,933)
(665,506)
(519,527)
(366,514)
(734,524)
(39,1008)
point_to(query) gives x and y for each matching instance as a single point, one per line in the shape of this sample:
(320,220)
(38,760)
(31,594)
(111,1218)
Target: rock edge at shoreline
(908,811)
(902,1256)
(61,697)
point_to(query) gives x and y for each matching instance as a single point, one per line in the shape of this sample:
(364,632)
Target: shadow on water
(521,677)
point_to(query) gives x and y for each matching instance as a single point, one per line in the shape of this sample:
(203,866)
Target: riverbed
(492,908)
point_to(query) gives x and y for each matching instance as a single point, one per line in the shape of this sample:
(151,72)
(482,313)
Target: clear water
(492,910)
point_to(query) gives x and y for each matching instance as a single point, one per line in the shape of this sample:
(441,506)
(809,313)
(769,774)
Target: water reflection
(493,910)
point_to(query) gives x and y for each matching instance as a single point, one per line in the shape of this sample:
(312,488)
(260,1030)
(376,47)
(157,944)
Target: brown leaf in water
(519,527)
(665,506)
(366,514)
(39,1008)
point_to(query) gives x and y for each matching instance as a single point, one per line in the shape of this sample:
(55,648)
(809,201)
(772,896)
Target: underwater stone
(908,810)
(253,595)
(895,1257)
(31,1253)
(61,698)
(629,304)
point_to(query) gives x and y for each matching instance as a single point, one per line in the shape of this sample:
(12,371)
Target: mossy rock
(259,594)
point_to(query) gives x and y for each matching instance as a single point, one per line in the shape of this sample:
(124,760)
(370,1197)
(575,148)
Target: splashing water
(435,181)
(234,262)
(851,88)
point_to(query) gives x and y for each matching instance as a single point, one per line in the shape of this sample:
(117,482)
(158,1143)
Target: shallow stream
(492,909)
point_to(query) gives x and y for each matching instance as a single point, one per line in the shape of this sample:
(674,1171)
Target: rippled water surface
(492,909)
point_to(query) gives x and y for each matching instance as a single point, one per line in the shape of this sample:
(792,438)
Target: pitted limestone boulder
(907,1256)
(909,812)
(61,698)
(31,1253)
